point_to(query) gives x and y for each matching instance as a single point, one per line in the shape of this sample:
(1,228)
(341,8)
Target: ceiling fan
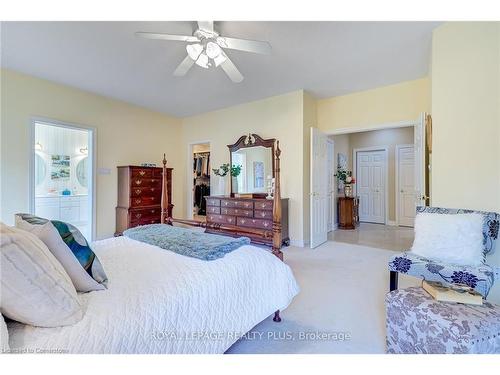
(206,48)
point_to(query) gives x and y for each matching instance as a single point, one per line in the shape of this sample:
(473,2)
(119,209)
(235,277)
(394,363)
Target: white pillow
(4,336)
(454,239)
(50,236)
(35,288)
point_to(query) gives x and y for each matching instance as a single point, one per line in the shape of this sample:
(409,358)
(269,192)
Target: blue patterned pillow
(79,247)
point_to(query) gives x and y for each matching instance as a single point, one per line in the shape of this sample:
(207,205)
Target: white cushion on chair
(455,239)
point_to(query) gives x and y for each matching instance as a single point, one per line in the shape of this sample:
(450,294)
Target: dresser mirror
(252,158)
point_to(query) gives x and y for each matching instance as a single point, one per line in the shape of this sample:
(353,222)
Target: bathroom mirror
(40,169)
(255,157)
(81,172)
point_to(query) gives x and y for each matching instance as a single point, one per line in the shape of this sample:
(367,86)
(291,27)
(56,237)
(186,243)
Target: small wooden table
(347,208)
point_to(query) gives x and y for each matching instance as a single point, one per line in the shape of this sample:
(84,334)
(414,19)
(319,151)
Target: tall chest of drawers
(139,196)
(246,213)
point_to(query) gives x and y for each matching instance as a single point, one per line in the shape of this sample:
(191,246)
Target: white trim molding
(92,152)
(189,180)
(390,125)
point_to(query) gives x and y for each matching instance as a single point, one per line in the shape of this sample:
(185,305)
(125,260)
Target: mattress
(161,302)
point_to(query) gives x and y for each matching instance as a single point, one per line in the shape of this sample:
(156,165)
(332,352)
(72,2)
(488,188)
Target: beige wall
(388,138)
(279,117)
(126,134)
(390,104)
(466,119)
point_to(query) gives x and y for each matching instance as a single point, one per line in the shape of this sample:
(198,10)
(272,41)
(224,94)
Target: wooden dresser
(348,212)
(246,212)
(139,196)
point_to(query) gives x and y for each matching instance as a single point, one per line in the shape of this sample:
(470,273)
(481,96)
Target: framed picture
(60,169)
(258,174)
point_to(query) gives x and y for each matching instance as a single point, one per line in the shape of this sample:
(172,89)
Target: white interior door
(371,177)
(331,186)
(405,191)
(319,188)
(420,165)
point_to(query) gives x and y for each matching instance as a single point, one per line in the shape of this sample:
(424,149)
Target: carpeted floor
(342,293)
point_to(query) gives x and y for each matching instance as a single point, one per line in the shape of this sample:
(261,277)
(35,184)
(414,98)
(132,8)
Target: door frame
(396,175)
(385,149)
(92,152)
(189,174)
(333,194)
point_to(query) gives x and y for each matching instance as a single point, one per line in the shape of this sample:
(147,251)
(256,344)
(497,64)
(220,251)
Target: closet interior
(201,183)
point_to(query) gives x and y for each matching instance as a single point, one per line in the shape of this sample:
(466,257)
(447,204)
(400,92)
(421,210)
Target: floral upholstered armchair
(481,278)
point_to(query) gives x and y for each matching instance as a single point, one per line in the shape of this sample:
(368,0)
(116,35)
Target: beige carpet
(342,292)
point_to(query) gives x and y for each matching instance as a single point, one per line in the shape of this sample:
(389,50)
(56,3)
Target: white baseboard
(298,243)
(392,223)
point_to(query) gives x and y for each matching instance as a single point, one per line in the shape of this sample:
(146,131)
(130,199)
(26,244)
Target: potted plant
(345,177)
(235,172)
(223,171)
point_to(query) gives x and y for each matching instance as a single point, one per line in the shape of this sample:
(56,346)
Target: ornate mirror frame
(248,141)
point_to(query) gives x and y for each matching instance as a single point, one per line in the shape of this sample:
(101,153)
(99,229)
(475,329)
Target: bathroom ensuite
(62,171)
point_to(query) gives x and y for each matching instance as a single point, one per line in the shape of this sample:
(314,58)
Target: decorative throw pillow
(4,336)
(35,288)
(454,239)
(70,248)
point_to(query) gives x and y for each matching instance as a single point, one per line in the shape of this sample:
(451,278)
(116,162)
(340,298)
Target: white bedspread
(161,302)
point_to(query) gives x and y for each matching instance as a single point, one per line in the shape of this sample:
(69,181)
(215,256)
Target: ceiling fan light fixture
(194,50)
(203,61)
(220,59)
(213,50)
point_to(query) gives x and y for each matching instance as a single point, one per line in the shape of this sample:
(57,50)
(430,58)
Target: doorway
(62,176)
(199,174)
(371,172)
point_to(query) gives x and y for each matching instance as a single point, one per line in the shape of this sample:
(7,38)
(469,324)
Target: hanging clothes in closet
(201,181)
(201,164)
(200,192)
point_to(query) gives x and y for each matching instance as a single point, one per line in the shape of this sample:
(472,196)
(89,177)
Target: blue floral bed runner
(185,241)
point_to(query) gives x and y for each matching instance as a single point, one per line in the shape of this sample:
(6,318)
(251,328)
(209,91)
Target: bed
(158,301)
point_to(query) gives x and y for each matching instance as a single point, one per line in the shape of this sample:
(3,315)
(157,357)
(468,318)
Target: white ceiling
(324,58)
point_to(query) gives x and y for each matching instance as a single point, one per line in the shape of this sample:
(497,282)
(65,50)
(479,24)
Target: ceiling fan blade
(184,67)
(254,46)
(206,25)
(232,71)
(182,38)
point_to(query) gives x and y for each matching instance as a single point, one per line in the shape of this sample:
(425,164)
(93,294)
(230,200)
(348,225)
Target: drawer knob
(137,201)
(266,224)
(138,182)
(263,214)
(243,221)
(138,215)
(142,173)
(138,191)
